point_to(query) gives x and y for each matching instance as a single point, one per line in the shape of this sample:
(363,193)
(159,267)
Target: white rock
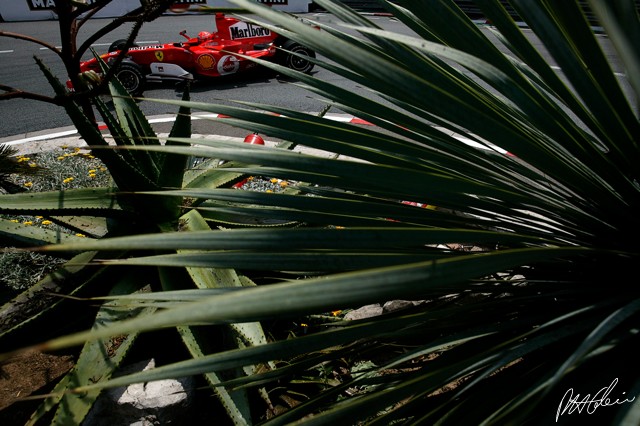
(396,305)
(367,311)
(143,404)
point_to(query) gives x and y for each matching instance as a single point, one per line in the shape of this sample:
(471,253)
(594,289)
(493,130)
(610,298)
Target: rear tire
(119,45)
(294,62)
(131,78)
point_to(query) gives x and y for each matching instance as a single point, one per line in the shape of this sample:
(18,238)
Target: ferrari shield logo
(159,55)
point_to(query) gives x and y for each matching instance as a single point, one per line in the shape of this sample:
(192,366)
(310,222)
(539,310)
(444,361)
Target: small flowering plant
(12,165)
(61,169)
(64,168)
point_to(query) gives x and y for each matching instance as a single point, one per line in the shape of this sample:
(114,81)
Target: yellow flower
(62,157)
(27,222)
(46,222)
(64,146)
(33,165)
(269,191)
(81,235)
(39,217)
(284,183)
(103,169)
(67,180)
(92,171)
(335,313)
(76,149)
(15,221)
(23,159)
(92,175)
(304,325)
(28,184)
(274,180)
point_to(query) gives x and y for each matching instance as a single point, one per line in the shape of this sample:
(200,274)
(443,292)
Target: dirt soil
(25,375)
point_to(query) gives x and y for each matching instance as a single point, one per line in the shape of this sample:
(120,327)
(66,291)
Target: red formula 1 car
(210,54)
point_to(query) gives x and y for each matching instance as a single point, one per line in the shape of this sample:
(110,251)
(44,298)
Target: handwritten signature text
(571,403)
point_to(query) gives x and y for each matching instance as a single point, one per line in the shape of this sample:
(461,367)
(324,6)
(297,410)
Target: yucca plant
(535,171)
(109,211)
(40,311)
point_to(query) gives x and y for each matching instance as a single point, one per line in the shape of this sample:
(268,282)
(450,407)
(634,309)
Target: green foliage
(536,170)
(96,363)
(107,211)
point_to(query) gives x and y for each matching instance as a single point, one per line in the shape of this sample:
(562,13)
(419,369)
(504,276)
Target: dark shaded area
(468,6)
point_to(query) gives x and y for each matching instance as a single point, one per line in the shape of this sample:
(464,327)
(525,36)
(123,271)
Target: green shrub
(503,332)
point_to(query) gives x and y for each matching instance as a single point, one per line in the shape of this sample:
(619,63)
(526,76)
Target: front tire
(297,63)
(119,45)
(131,78)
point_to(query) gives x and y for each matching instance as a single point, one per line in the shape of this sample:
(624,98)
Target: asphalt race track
(24,118)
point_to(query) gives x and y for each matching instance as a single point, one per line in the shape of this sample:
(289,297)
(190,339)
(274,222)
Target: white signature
(571,403)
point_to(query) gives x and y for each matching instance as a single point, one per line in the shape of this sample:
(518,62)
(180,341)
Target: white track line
(48,136)
(170,119)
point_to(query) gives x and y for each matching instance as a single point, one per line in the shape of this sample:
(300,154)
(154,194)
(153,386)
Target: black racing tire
(119,45)
(131,77)
(296,62)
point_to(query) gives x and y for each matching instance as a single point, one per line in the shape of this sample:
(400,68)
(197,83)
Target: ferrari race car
(210,54)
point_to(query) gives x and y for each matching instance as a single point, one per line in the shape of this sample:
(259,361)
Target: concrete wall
(19,10)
